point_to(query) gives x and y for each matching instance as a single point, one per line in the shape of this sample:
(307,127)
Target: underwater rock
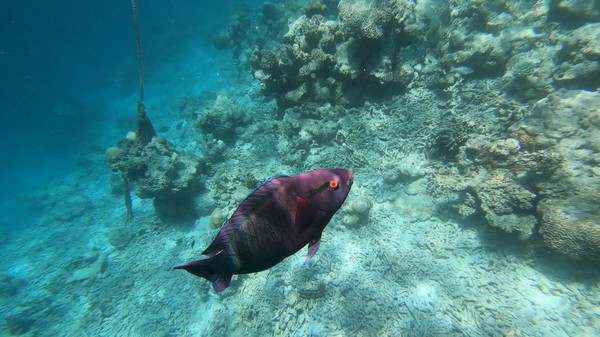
(588,40)
(573,11)
(361,207)
(120,237)
(221,119)
(565,125)
(314,7)
(377,48)
(90,271)
(567,74)
(170,179)
(312,291)
(204,204)
(113,155)
(357,215)
(10,285)
(468,205)
(244,33)
(19,324)
(417,208)
(351,220)
(483,151)
(213,151)
(217,218)
(222,41)
(529,74)
(577,61)
(505,203)
(391,178)
(500,175)
(70,208)
(482,52)
(236,32)
(418,186)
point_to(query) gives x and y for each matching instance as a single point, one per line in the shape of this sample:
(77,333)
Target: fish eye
(334,184)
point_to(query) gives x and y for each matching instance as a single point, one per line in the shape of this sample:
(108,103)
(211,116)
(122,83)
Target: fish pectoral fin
(313,247)
(301,206)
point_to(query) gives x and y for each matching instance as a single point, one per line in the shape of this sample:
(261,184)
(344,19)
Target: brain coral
(566,229)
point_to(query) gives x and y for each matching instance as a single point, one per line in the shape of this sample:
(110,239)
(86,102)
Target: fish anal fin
(209,270)
(313,247)
(220,282)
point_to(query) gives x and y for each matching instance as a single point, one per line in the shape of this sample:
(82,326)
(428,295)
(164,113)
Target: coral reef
(543,176)
(568,123)
(160,172)
(464,128)
(375,48)
(245,32)
(447,60)
(321,61)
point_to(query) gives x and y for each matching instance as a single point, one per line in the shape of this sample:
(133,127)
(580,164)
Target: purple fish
(279,218)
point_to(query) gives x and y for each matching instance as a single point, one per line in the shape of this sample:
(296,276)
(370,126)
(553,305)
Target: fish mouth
(350,178)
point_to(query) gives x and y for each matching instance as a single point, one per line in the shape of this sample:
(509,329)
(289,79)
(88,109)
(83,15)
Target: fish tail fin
(206,269)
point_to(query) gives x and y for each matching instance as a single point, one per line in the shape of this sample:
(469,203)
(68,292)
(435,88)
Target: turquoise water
(471,128)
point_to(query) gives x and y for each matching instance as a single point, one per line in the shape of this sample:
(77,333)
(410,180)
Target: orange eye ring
(334,184)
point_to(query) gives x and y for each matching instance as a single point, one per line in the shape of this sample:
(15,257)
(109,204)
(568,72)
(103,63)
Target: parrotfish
(275,221)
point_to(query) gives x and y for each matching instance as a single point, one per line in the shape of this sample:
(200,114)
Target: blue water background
(69,81)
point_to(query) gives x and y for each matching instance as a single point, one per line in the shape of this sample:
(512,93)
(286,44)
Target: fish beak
(350,178)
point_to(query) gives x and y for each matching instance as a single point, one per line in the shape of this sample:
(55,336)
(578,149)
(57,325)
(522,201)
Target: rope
(145,130)
(138,47)
(127,193)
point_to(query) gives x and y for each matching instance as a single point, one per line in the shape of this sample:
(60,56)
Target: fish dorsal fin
(253,201)
(261,194)
(221,239)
